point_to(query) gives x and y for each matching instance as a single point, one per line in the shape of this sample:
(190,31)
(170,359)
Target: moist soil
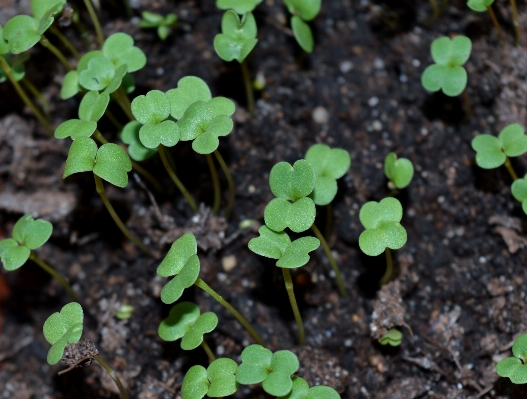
(458,290)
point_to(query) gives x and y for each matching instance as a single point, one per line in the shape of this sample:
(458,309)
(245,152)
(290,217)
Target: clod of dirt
(79,354)
(388,310)
(407,388)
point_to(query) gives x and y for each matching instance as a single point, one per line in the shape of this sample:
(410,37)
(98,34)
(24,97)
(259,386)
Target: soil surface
(458,293)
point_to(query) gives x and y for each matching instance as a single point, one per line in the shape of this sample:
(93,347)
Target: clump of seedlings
(63,330)
(515,368)
(163,24)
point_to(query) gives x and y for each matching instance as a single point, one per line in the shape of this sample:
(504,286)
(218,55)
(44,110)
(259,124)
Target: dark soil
(461,279)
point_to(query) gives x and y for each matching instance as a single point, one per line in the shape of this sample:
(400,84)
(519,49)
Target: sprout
(393,337)
(163,24)
(515,368)
(398,171)
(238,36)
(303,11)
(217,381)
(492,152)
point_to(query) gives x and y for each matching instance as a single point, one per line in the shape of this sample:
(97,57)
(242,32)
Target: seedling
(515,368)
(273,370)
(239,6)
(124,312)
(184,321)
(519,192)
(28,235)
(217,381)
(398,171)
(393,337)
(303,11)
(301,390)
(486,5)
(447,74)
(182,262)
(64,329)
(383,230)
(163,24)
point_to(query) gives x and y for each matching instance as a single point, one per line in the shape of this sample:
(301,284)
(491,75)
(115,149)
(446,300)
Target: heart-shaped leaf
(240,6)
(195,120)
(398,171)
(189,90)
(70,85)
(299,390)
(256,365)
(303,34)
(238,37)
(296,253)
(98,75)
(221,106)
(120,49)
(166,133)
(75,128)
(112,164)
(519,191)
(283,364)
(153,108)
(479,5)
(130,135)
(298,216)
(205,323)
(179,254)
(208,141)
(221,374)
(20,33)
(383,230)
(489,154)
(292,182)
(12,255)
(270,244)
(93,106)
(513,140)
(40,8)
(195,384)
(173,290)
(81,156)
(515,367)
(306,9)
(32,233)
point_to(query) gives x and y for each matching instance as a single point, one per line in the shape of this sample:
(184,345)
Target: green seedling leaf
(519,192)
(292,182)
(93,106)
(163,24)
(479,5)
(296,254)
(45,21)
(303,34)
(447,73)
(40,8)
(221,106)
(117,80)
(150,20)
(208,141)
(305,9)
(75,128)
(515,368)
(130,136)
(256,365)
(383,230)
(61,329)
(491,152)
(70,85)
(189,90)
(301,390)
(238,37)
(12,255)
(222,376)
(298,216)
(329,165)
(20,33)
(393,337)
(120,49)
(98,75)
(86,58)
(32,233)
(398,171)
(240,6)
(166,133)
(173,290)
(81,156)
(195,384)
(179,254)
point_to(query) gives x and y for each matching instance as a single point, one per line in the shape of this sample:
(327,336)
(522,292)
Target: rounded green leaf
(299,389)
(322,392)
(189,90)
(284,363)
(166,133)
(393,337)
(433,77)
(306,9)
(70,85)
(324,191)
(150,19)
(81,156)
(98,75)
(256,364)
(39,8)
(32,233)
(120,49)
(292,182)
(180,252)
(270,244)
(120,73)
(513,140)
(479,5)
(519,189)
(180,319)
(195,384)
(303,34)
(93,106)
(441,49)
(298,216)
(240,6)
(205,323)
(21,34)
(221,374)
(519,348)
(75,128)
(57,325)
(130,136)
(332,162)
(153,108)
(163,31)
(112,164)
(399,171)
(56,351)
(44,21)
(489,154)
(195,121)
(238,37)
(221,106)
(455,81)
(460,50)
(173,290)
(207,142)
(514,369)
(296,254)
(12,255)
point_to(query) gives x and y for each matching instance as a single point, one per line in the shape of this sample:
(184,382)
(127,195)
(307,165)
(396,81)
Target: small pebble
(320,115)
(228,262)
(346,66)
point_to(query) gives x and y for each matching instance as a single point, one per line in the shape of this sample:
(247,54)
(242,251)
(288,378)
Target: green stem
(100,189)
(496,23)
(55,274)
(215,184)
(230,182)
(53,29)
(332,262)
(56,52)
(248,87)
(510,168)
(163,153)
(208,351)
(114,376)
(22,94)
(389,267)
(124,103)
(38,95)
(205,287)
(298,318)
(95,21)
(516,22)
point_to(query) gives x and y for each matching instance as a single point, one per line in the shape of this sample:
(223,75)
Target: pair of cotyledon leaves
(447,73)
(303,11)
(515,367)
(63,328)
(28,234)
(491,151)
(393,337)
(398,170)
(105,69)
(163,24)
(200,117)
(238,36)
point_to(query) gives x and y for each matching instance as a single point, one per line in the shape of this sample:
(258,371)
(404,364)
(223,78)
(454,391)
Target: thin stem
(114,376)
(208,351)
(510,168)
(389,267)
(298,318)
(248,87)
(332,262)
(109,114)
(516,22)
(100,189)
(56,52)
(215,184)
(329,220)
(55,274)
(53,29)
(496,23)
(205,287)
(435,8)
(230,182)
(38,95)
(95,21)
(124,102)
(163,153)
(22,94)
